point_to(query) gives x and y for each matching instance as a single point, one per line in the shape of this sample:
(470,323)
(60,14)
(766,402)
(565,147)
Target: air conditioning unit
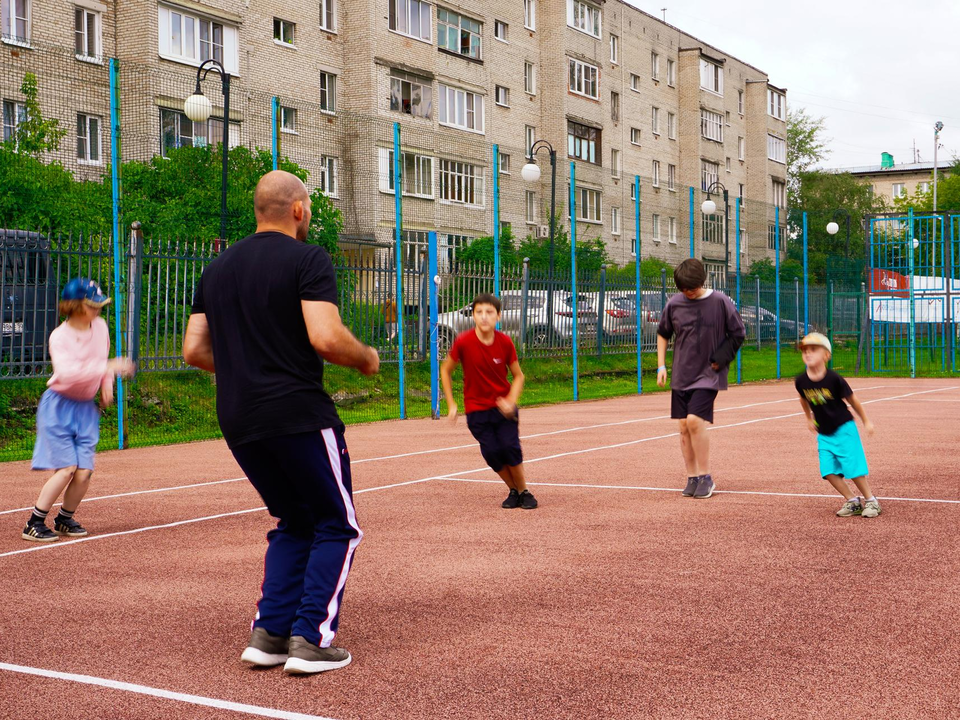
(543,231)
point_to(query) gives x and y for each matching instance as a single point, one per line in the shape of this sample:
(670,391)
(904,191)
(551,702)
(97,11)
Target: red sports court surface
(617,598)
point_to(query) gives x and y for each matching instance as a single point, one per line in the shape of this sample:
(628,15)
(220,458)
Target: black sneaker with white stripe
(68,527)
(38,532)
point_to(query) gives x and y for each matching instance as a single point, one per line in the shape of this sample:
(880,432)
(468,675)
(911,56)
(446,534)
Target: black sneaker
(38,532)
(527,500)
(68,527)
(512,501)
(705,488)
(691,487)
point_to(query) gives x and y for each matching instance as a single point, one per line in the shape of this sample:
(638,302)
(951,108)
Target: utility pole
(664,11)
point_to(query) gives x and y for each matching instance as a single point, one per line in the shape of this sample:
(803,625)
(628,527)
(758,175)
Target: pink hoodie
(80,362)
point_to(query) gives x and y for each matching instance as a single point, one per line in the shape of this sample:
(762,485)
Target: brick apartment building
(614,89)
(890,181)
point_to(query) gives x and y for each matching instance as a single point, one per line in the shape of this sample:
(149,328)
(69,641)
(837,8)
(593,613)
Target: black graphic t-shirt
(826,399)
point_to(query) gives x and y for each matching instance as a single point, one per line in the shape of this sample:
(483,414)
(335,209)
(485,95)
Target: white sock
(871,499)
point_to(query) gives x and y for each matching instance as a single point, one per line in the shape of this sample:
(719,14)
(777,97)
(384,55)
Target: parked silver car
(619,316)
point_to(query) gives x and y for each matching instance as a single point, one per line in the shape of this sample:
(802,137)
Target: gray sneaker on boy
(705,487)
(871,508)
(850,508)
(691,487)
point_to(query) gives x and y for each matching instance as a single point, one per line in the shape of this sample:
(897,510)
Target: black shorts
(697,402)
(499,437)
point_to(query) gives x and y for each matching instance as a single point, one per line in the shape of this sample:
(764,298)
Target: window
(504,161)
(615,221)
(589,205)
(741,195)
(655,120)
(713,228)
(615,49)
(727,165)
(416,173)
(634,82)
(288,120)
(615,106)
(583,79)
(86,34)
(711,125)
(777,104)
(772,237)
(776,149)
(530,14)
(709,174)
(448,246)
(529,138)
(924,187)
(899,190)
(530,78)
(461,109)
(500,30)
(177,130)
(461,182)
(328,92)
(655,234)
(744,241)
(583,142)
(634,136)
(283,31)
(715,273)
(16,20)
(672,229)
(328,176)
(88,139)
(328,15)
(189,38)
(671,177)
(711,76)
(502,95)
(615,162)
(458,34)
(671,126)
(656,173)
(411,18)
(672,73)
(583,17)
(740,101)
(411,95)
(655,66)
(531,207)
(779,194)
(741,149)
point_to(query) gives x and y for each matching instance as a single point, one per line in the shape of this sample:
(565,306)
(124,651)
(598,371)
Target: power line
(881,107)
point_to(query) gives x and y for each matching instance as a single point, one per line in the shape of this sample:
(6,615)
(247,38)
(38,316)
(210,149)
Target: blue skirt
(67,432)
(842,453)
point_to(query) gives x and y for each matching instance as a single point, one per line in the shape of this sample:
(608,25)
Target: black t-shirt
(826,399)
(269,377)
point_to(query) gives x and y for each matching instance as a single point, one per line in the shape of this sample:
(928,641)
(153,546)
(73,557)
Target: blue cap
(86,290)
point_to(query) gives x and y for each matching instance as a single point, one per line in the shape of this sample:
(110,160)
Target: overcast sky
(881,73)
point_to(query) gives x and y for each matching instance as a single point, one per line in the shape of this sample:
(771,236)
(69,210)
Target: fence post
(524,304)
(638,299)
(423,320)
(134,265)
(776,235)
(115,187)
(496,220)
(398,261)
(758,312)
(573,277)
(433,283)
(796,311)
(663,288)
(600,308)
(830,319)
(913,317)
(806,279)
(737,250)
(692,230)
(275,145)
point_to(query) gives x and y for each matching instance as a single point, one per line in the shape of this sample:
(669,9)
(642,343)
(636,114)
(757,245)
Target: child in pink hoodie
(68,421)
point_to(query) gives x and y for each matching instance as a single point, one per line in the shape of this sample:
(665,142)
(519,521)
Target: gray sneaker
(871,508)
(851,508)
(691,487)
(264,649)
(306,658)
(705,487)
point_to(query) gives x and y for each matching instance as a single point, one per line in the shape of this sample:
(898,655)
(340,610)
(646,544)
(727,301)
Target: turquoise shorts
(842,453)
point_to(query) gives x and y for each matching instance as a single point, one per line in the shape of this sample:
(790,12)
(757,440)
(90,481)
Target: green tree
(948,193)
(35,134)
(766,270)
(481,250)
(806,144)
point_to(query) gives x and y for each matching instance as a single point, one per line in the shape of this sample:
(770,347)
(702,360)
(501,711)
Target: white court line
(419,452)
(90,538)
(161,693)
(716,492)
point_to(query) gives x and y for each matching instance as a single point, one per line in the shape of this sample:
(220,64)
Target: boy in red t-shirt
(489,399)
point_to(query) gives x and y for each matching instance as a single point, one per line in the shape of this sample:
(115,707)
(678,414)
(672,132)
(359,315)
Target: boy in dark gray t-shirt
(707,332)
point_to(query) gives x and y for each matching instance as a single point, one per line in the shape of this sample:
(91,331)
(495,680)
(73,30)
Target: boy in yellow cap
(822,394)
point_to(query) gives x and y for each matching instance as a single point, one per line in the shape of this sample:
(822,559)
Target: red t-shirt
(484,368)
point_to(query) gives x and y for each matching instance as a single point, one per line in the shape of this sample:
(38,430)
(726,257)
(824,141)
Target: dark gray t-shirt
(697,328)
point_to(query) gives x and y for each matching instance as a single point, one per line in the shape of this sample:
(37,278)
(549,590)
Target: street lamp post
(198,108)
(709,207)
(531,174)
